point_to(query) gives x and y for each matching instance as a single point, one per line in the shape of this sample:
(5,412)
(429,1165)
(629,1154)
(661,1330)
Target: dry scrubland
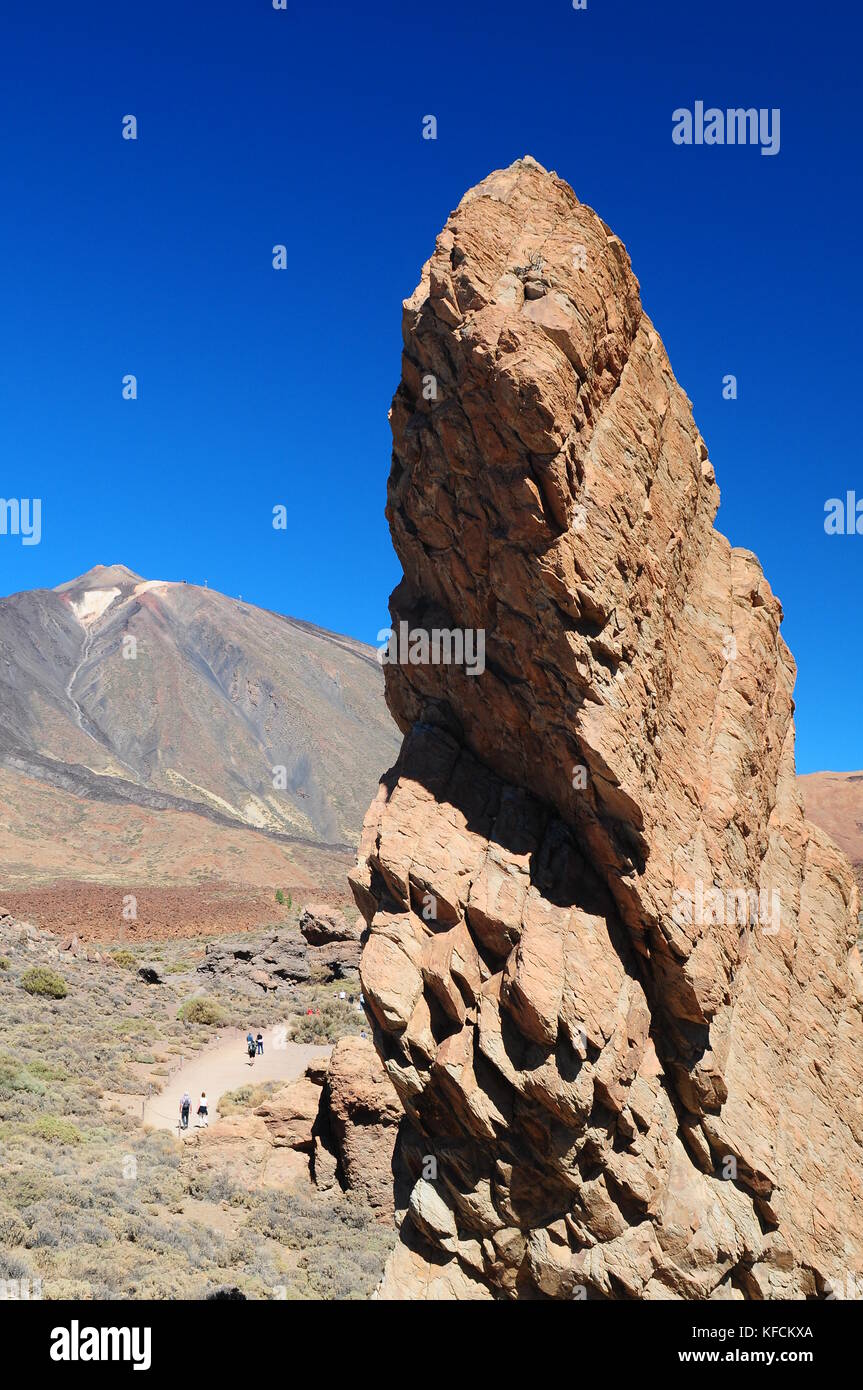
(96,1207)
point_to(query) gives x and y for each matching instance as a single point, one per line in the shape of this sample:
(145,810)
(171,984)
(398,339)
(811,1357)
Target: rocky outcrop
(252,967)
(321,925)
(334,943)
(610,966)
(283,961)
(290,1114)
(344,1114)
(362,1118)
(244,1148)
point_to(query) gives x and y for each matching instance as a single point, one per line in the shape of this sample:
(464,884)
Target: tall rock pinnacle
(612,969)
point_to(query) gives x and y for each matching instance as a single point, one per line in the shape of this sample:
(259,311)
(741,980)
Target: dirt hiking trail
(225,1066)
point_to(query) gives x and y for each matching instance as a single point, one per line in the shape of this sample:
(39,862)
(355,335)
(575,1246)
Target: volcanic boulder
(334,943)
(611,967)
(320,925)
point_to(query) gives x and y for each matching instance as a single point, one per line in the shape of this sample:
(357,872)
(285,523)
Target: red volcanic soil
(68,864)
(94,912)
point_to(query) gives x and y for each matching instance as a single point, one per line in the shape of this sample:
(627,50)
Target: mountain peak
(213,696)
(101,577)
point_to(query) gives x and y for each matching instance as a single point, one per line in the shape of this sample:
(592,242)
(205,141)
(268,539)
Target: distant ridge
(834,800)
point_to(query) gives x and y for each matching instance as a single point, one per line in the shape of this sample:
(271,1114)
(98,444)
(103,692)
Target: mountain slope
(834,800)
(171,696)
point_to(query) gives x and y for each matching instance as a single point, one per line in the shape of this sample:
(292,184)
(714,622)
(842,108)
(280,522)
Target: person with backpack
(252,1050)
(185,1107)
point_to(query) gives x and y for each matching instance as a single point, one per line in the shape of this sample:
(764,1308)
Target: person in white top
(203,1108)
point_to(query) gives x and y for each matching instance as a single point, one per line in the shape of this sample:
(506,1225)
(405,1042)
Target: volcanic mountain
(175,699)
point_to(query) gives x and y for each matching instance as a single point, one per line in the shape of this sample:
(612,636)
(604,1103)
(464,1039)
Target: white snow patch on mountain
(154,584)
(92,604)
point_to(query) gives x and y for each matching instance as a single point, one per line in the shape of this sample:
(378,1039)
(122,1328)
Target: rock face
(283,961)
(363,1114)
(247,1147)
(290,1114)
(625,1073)
(334,943)
(345,1116)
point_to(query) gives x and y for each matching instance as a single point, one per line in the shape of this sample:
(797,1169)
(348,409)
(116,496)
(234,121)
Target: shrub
(202,1010)
(280,897)
(247,1098)
(334,1020)
(15,1076)
(47,1071)
(57,1130)
(13,1267)
(40,980)
(13,1230)
(124,959)
(4,963)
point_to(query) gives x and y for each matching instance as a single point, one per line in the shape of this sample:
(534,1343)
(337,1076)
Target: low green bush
(47,983)
(334,1019)
(124,959)
(202,1010)
(247,1098)
(16,1076)
(57,1130)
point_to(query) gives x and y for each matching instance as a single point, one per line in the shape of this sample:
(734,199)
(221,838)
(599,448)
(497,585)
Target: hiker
(252,1050)
(203,1108)
(249,1037)
(185,1107)
(260,1044)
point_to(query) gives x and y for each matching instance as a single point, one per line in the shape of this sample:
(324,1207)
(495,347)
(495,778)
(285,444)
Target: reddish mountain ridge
(834,800)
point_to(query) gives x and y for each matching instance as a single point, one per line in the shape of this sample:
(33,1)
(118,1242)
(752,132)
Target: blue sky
(303,127)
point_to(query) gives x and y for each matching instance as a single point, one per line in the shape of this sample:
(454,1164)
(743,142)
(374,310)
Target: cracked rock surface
(607,1093)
